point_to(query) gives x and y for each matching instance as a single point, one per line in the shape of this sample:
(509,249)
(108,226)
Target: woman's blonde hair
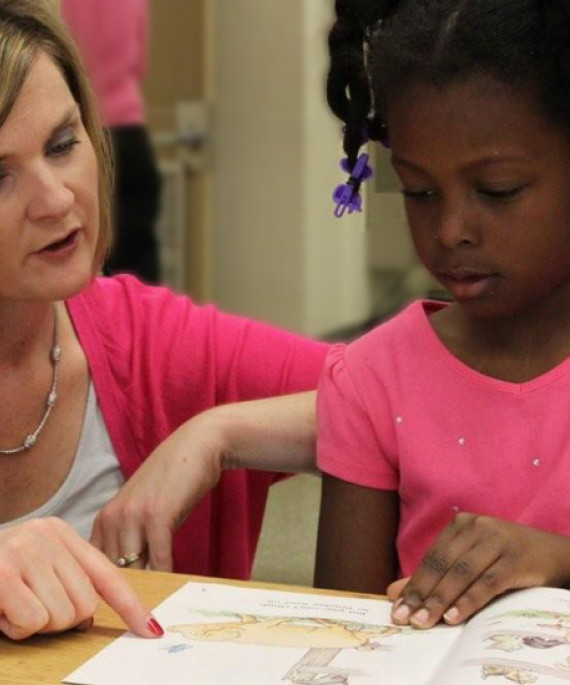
(28,27)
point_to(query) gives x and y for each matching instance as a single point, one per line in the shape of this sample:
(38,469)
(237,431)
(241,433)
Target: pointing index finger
(113,587)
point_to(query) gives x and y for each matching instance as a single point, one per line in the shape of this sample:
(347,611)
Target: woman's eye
(63,147)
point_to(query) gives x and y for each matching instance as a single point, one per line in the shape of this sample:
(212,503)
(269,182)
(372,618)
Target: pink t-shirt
(112,36)
(397,411)
(156,359)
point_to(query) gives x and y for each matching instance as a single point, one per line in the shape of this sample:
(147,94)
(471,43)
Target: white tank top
(94,478)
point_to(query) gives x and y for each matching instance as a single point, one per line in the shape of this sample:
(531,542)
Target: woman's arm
(356,548)
(276,434)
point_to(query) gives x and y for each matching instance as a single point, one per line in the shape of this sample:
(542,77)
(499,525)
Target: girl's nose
(51,199)
(456,227)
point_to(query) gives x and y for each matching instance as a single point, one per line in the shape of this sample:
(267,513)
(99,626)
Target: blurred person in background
(113,38)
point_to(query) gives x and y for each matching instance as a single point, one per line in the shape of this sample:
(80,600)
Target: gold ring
(128,559)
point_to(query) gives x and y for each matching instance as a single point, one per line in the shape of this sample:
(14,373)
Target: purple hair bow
(346,195)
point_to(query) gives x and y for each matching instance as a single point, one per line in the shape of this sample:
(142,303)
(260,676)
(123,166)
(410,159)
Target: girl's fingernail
(421,617)
(401,612)
(155,626)
(451,615)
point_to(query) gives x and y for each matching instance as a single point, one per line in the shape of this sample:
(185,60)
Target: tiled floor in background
(286,552)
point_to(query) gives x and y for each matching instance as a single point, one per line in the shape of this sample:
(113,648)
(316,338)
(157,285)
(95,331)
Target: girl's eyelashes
(418,194)
(497,194)
(500,194)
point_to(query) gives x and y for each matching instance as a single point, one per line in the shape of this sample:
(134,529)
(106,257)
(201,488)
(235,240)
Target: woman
(96,373)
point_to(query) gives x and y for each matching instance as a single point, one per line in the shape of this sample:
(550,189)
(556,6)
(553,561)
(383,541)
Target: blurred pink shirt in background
(112,36)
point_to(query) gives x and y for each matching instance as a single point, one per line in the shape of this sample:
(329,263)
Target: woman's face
(49,205)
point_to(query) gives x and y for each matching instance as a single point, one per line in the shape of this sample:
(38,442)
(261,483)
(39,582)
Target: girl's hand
(475,559)
(51,579)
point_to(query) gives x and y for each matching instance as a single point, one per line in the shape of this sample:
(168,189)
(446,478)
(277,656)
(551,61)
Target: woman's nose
(50,198)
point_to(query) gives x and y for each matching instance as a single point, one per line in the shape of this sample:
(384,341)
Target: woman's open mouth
(61,247)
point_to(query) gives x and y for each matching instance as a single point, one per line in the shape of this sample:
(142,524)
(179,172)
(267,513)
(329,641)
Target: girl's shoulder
(407,330)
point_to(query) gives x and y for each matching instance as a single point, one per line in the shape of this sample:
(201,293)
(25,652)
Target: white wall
(278,253)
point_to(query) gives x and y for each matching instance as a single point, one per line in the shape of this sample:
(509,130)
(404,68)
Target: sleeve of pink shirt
(351,415)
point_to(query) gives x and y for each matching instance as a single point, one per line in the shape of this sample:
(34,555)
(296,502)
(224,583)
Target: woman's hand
(153,503)
(51,579)
(276,434)
(475,559)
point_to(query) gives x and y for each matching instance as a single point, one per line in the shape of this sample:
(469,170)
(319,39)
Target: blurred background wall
(249,156)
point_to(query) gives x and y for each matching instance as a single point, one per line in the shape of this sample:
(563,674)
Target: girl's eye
(63,147)
(418,194)
(500,193)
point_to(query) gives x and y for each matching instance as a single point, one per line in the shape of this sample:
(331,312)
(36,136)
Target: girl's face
(486,180)
(49,208)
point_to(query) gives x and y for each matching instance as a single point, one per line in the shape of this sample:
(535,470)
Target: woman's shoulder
(123,308)
(125,292)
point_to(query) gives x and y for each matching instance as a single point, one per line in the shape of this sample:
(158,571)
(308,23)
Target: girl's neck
(24,329)
(517,349)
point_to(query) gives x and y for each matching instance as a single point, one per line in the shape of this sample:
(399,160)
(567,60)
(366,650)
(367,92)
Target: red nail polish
(155,626)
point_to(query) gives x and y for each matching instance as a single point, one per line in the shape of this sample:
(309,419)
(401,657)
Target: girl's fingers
(466,570)
(489,584)
(452,544)
(394,589)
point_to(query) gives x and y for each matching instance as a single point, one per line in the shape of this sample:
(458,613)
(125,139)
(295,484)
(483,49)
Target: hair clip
(346,195)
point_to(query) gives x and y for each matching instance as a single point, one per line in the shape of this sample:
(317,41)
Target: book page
(524,637)
(218,634)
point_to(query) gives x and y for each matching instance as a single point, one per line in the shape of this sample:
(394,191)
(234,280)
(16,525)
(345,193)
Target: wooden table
(48,659)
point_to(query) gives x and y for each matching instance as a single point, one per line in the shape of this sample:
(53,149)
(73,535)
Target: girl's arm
(356,548)
(275,434)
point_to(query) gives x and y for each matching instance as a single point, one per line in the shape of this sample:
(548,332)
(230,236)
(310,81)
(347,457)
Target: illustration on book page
(523,638)
(221,634)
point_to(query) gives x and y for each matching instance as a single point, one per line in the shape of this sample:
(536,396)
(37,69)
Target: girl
(96,373)
(444,433)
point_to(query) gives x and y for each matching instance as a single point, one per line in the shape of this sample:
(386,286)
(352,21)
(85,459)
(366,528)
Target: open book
(227,635)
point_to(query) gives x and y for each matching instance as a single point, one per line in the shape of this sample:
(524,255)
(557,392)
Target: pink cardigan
(112,36)
(156,359)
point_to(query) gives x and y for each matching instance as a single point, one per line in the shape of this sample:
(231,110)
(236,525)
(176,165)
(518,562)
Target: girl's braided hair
(380,47)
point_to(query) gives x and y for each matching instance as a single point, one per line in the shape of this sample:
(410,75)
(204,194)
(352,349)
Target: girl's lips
(469,287)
